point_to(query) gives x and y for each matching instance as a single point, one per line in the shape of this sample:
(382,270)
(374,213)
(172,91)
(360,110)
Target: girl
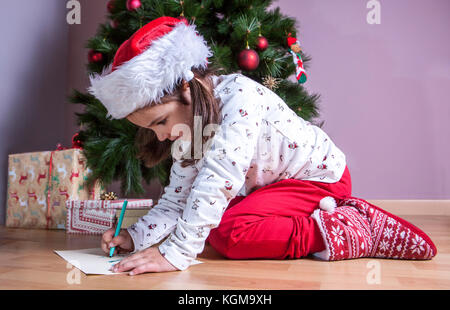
(249,176)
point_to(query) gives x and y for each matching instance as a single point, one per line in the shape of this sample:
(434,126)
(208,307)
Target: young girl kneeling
(249,176)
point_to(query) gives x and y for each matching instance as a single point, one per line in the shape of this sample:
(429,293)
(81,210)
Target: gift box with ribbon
(97,216)
(39,183)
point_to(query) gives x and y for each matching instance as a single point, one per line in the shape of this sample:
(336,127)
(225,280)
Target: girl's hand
(123,242)
(148,260)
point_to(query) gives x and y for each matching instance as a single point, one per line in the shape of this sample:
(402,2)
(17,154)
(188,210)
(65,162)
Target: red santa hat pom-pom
(328,204)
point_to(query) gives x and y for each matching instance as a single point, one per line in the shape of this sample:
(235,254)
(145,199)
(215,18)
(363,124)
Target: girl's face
(161,118)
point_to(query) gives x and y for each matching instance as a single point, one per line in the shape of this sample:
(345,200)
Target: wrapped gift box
(97,216)
(37,201)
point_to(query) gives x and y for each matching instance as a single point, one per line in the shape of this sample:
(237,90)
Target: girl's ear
(186,92)
(185,85)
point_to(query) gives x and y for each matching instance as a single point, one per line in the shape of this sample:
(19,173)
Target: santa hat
(149,64)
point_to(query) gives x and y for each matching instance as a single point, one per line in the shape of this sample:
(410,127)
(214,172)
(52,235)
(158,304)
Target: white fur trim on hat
(142,80)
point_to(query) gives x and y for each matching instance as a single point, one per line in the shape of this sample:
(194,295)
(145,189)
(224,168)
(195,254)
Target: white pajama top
(259,142)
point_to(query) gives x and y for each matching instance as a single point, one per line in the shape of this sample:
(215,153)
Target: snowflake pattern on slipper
(357,229)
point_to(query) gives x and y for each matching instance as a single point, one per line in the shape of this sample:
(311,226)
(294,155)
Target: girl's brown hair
(152,151)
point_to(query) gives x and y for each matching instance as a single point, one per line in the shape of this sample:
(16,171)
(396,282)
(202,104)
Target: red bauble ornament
(94,56)
(262,43)
(110,6)
(248,59)
(133,5)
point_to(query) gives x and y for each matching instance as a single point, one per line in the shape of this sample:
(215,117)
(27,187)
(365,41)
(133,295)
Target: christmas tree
(244,36)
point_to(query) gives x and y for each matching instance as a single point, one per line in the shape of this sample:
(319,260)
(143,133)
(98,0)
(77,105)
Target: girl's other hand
(148,260)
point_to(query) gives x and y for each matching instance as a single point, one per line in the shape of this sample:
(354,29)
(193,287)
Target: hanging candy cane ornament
(294,48)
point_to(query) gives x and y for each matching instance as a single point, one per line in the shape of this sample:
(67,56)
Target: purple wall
(385,88)
(33,63)
(385,91)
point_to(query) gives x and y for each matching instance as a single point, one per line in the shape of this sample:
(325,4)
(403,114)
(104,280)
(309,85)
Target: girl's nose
(161,136)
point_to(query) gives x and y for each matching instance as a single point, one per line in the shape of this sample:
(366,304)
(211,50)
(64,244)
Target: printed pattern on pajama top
(261,140)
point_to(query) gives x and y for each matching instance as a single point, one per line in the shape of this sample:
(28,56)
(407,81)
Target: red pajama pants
(274,221)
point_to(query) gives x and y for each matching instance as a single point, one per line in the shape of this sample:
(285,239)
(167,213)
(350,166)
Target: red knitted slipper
(357,228)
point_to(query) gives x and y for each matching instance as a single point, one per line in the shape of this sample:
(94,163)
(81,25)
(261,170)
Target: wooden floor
(27,261)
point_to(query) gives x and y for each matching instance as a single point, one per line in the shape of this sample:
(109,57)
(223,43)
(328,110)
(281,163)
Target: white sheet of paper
(94,261)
